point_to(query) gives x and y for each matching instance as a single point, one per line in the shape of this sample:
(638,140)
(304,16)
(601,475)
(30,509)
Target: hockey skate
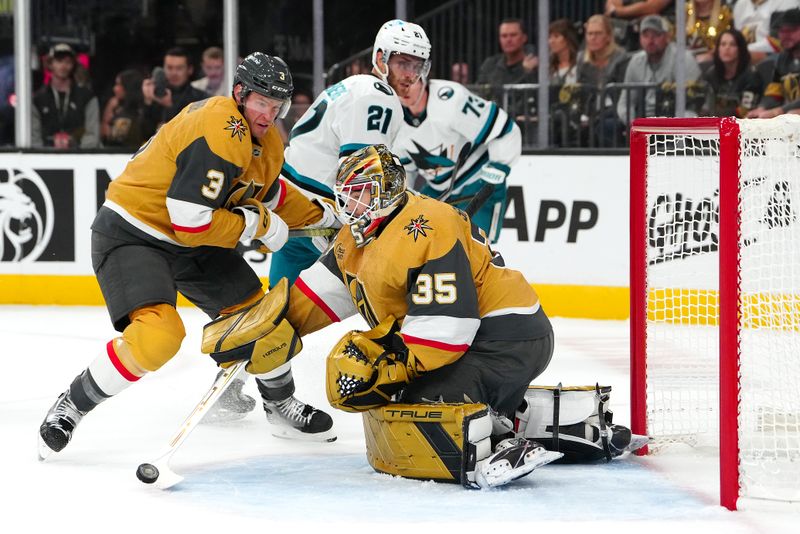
(513,458)
(58,425)
(293,419)
(233,405)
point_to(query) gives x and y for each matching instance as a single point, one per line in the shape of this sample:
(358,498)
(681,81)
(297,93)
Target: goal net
(715,295)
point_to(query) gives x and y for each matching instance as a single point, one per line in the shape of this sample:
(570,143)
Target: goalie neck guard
(268,76)
(370,185)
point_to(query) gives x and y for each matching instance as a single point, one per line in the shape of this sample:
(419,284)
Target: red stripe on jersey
(316,300)
(434,344)
(281,193)
(191,229)
(115,361)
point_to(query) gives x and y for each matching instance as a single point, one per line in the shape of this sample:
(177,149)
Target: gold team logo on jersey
(417,227)
(236,127)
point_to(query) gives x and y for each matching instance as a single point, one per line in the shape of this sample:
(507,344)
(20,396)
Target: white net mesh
(682,299)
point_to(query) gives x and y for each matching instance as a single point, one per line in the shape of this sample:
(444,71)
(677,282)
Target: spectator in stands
(7,100)
(518,61)
(122,116)
(734,86)
(705,21)
(357,66)
(626,14)
(160,108)
(213,65)
(301,101)
(755,18)
(602,62)
(656,64)
(627,9)
(459,72)
(65,114)
(515,65)
(562,41)
(782,93)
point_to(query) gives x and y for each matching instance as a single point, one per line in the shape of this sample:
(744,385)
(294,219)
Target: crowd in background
(742,59)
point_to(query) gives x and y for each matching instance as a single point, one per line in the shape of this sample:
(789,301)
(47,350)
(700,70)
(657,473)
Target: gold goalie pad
(259,333)
(441,442)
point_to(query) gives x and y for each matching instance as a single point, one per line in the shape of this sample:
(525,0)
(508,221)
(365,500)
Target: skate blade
(292,433)
(220,417)
(637,442)
(540,458)
(43,451)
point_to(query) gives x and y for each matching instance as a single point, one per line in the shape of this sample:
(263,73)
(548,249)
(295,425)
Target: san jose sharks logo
(236,127)
(417,227)
(430,160)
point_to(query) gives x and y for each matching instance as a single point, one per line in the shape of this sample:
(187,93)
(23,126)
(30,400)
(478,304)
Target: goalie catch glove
(366,369)
(262,225)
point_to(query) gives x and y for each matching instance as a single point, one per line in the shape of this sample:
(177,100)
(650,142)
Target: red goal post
(715,295)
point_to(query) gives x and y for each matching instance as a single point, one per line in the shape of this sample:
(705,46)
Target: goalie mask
(268,76)
(400,37)
(370,184)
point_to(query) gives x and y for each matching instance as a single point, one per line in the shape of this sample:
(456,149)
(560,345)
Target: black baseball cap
(790,17)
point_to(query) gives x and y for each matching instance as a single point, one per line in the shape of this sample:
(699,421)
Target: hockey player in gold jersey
(205,182)
(450,323)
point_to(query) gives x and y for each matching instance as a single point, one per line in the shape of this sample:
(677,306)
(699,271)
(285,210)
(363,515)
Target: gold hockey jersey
(179,186)
(434,272)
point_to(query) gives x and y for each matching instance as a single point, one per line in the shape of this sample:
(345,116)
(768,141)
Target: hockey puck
(147,473)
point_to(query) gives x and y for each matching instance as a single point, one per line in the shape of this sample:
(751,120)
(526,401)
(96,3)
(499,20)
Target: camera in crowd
(159,82)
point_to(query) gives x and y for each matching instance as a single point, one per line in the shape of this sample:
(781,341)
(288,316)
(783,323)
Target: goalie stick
(157,472)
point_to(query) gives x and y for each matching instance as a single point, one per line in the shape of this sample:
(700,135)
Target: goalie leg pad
(245,326)
(442,442)
(266,353)
(575,421)
(259,333)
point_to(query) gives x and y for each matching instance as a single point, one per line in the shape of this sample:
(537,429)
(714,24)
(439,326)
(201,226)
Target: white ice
(241,478)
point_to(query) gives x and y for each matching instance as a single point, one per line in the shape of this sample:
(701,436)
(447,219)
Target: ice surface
(238,476)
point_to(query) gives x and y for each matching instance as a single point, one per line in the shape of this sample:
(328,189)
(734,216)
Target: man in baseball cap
(782,94)
(65,115)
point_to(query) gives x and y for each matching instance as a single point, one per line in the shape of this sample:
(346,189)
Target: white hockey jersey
(430,144)
(358,111)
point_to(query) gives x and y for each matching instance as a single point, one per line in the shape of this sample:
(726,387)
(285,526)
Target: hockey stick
(313,232)
(299,232)
(157,472)
(462,157)
(479,199)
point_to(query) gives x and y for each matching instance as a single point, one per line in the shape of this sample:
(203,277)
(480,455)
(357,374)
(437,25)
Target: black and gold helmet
(370,184)
(268,76)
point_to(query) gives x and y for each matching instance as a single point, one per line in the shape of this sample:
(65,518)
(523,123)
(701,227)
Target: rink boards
(566,229)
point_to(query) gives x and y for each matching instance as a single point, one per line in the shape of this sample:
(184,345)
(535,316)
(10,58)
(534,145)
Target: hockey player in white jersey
(448,129)
(358,111)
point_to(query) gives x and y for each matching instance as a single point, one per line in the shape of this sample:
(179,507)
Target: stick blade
(159,475)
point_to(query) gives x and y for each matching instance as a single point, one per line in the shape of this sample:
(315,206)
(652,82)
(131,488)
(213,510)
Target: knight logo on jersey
(237,127)
(417,227)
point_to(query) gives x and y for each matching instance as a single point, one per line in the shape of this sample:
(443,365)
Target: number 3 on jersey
(378,118)
(439,287)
